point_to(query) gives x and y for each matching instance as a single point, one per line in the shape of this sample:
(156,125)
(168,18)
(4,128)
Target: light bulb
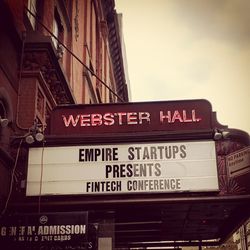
(29,139)
(39,136)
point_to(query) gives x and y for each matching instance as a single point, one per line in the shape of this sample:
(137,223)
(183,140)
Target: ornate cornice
(115,47)
(39,55)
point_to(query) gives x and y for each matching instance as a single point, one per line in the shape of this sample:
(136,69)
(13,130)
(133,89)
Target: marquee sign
(131,117)
(55,230)
(123,168)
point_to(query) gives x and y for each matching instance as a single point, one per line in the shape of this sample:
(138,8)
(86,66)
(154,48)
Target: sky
(190,49)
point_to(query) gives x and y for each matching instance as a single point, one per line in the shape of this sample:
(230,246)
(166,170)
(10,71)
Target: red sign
(131,117)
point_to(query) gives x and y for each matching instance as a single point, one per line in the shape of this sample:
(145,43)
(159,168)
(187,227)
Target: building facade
(53,53)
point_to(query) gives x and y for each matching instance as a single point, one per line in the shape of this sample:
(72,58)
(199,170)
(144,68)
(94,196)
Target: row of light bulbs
(35,133)
(34,136)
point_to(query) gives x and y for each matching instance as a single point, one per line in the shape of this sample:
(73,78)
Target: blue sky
(178,49)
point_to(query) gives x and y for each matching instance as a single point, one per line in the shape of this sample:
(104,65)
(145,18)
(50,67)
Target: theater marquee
(174,167)
(188,115)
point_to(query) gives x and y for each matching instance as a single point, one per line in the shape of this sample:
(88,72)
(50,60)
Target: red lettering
(144,116)
(129,118)
(108,119)
(120,115)
(180,116)
(185,118)
(176,116)
(96,119)
(163,117)
(71,120)
(194,117)
(85,120)
(132,118)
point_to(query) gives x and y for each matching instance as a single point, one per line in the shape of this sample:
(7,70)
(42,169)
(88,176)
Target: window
(57,29)
(32,7)
(55,32)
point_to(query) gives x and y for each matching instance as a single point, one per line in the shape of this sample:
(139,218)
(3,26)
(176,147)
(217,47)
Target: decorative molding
(104,29)
(39,55)
(115,47)
(76,20)
(39,60)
